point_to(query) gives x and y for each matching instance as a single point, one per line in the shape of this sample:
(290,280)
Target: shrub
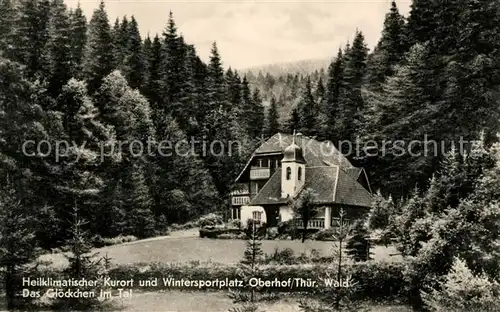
(284,256)
(210,219)
(324,235)
(272,233)
(287,229)
(234,224)
(463,291)
(378,280)
(232,236)
(98,241)
(358,245)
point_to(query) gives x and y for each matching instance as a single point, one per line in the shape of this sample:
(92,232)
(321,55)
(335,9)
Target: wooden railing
(240,200)
(260,173)
(316,223)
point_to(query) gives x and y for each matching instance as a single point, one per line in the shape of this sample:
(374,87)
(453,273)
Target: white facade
(286,213)
(252,212)
(292,178)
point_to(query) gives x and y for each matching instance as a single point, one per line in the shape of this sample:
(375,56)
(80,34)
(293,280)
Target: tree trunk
(9,287)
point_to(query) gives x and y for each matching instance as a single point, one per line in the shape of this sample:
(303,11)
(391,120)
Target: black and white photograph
(250,156)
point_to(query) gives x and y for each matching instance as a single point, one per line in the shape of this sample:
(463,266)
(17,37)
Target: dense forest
(95,84)
(86,82)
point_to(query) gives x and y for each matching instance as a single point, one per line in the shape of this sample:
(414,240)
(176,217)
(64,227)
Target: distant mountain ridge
(300,67)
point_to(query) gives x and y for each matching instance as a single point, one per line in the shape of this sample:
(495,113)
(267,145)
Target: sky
(254,33)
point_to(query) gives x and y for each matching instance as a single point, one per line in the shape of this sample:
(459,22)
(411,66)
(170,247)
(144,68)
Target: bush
(376,280)
(216,232)
(232,236)
(284,256)
(463,291)
(324,235)
(98,241)
(210,219)
(234,224)
(272,233)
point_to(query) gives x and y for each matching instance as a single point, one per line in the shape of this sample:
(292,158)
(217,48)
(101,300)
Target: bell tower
(293,168)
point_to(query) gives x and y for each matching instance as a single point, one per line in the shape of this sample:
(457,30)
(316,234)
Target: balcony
(240,200)
(260,173)
(316,223)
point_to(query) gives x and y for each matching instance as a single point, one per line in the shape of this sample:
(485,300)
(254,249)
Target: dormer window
(299,174)
(288,173)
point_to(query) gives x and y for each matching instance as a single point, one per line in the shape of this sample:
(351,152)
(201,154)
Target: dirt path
(177,234)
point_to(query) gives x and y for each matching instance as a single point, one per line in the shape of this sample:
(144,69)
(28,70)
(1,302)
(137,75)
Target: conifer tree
(272,119)
(293,121)
(82,265)
(58,48)
(78,40)
(140,220)
(390,48)
(358,245)
(333,298)
(319,91)
(152,89)
(17,242)
(221,125)
(8,18)
(351,106)
(256,122)
(252,256)
(99,60)
(330,104)
(308,113)
(134,62)
(171,69)
(33,35)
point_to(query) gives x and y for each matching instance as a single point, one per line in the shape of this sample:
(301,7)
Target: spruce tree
(78,40)
(358,245)
(336,298)
(8,19)
(17,242)
(351,106)
(33,34)
(272,119)
(134,61)
(256,123)
(140,220)
(319,91)
(246,301)
(308,112)
(293,121)
(152,88)
(99,60)
(390,48)
(58,48)
(330,105)
(171,70)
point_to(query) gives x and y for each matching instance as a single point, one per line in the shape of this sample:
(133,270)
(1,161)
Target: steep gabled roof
(316,153)
(331,184)
(270,192)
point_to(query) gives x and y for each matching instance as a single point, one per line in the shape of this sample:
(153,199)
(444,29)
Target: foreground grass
(180,301)
(191,248)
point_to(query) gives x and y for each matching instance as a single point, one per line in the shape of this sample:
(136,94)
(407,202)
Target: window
(257,217)
(288,173)
(265,163)
(299,174)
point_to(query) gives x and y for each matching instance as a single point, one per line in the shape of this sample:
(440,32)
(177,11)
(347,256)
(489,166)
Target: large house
(285,165)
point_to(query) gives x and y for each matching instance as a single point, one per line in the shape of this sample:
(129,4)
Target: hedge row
(376,280)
